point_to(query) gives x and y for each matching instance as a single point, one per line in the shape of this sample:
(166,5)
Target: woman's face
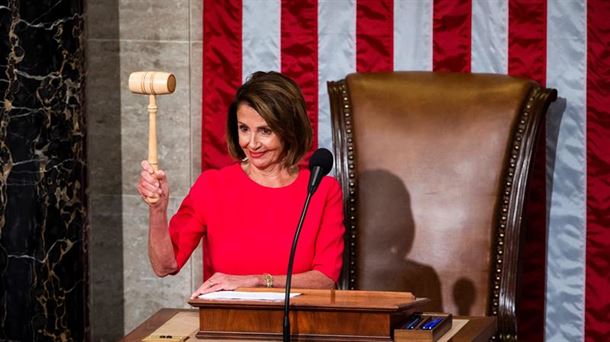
(260,144)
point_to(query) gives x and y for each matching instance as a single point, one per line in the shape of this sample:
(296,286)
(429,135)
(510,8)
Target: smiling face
(260,144)
(278,104)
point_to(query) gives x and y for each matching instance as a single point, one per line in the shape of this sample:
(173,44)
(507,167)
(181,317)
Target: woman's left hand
(220,281)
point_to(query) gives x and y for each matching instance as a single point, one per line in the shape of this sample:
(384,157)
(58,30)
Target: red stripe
(527,39)
(374,35)
(299,43)
(451,36)
(221,76)
(527,58)
(597,294)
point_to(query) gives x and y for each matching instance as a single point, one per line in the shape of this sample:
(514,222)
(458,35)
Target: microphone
(320,164)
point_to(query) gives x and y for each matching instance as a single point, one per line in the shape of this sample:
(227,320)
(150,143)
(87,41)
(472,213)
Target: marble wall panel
(103,107)
(145,293)
(196,68)
(127,36)
(106,267)
(104,117)
(102,19)
(43,206)
(195,132)
(154,20)
(196,22)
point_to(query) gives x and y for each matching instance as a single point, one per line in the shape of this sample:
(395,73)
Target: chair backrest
(434,168)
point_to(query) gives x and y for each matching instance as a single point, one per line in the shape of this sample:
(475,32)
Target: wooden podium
(315,315)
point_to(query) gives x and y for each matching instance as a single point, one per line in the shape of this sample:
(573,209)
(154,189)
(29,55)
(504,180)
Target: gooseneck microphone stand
(286,329)
(320,164)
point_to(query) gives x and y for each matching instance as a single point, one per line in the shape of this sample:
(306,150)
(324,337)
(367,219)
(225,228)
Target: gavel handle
(152,140)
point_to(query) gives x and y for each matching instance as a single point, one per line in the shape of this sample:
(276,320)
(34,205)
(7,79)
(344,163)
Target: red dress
(248,228)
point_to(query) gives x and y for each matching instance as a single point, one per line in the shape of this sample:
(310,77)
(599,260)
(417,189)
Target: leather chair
(434,168)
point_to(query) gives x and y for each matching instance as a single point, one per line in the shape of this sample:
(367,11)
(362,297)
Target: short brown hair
(280,102)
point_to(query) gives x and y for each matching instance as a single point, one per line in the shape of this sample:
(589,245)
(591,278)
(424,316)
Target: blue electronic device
(413,321)
(433,322)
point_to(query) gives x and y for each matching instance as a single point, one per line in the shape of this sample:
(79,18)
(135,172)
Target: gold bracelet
(268,280)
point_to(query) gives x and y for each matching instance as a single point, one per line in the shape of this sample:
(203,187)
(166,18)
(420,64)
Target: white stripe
(489,36)
(413,35)
(261,41)
(336,55)
(566,173)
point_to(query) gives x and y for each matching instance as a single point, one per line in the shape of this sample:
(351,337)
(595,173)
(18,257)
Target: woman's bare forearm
(160,249)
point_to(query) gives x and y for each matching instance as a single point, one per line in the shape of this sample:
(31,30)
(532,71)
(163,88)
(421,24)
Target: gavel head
(152,82)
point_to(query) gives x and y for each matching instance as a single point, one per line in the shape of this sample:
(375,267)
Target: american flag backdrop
(562,44)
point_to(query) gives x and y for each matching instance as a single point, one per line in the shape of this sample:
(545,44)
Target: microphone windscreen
(321,158)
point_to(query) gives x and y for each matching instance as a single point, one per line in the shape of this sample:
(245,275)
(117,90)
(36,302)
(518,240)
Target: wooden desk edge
(486,326)
(477,329)
(152,324)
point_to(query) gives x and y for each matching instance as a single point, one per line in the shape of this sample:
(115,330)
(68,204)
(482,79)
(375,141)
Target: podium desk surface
(344,300)
(477,328)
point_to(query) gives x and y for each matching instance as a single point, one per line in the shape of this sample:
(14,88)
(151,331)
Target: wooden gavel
(152,83)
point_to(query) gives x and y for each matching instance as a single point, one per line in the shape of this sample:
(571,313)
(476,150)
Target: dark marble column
(43,218)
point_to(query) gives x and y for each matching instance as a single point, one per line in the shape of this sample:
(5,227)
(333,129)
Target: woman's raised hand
(153,187)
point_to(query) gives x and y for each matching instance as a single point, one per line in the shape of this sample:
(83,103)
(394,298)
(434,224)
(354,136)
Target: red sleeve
(328,257)
(188,225)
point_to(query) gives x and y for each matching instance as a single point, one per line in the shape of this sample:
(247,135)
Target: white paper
(240,295)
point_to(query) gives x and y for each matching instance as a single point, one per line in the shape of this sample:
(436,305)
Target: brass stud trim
(524,121)
(350,176)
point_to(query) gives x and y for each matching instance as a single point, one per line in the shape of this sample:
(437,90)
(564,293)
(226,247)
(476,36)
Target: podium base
(316,315)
